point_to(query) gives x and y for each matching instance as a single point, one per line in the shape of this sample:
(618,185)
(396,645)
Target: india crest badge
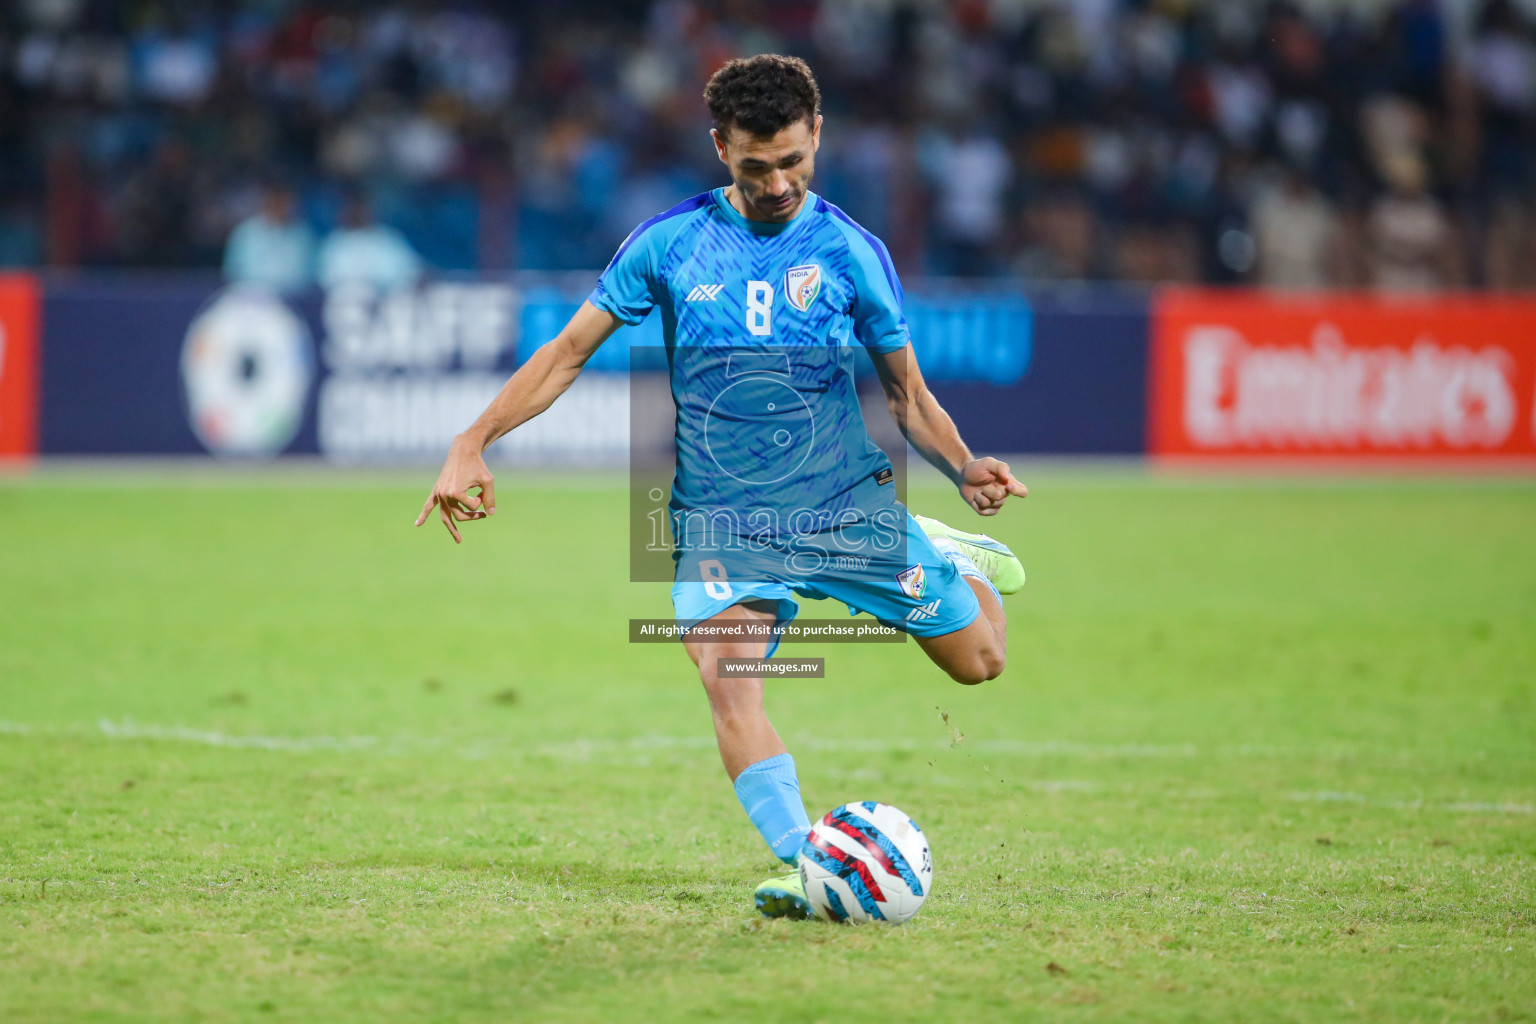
(913,581)
(802,285)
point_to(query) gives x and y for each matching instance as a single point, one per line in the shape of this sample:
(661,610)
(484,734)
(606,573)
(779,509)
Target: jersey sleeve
(630,287)
(878,321)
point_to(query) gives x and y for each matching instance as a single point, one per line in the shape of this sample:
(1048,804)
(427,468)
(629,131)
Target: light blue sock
(769,792)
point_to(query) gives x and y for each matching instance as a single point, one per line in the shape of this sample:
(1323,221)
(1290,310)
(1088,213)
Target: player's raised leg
(754,756)
(979,651)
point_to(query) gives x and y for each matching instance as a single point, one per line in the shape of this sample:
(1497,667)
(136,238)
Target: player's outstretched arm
(531,390)
(984,483)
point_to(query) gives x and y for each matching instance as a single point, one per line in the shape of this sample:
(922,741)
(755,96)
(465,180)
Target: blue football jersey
(761,323)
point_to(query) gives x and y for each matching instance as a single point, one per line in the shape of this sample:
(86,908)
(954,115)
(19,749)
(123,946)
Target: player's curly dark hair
(763,94)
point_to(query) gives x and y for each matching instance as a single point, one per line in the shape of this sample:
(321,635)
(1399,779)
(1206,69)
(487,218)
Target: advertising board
(185,365)
(1250,376)
(18,365)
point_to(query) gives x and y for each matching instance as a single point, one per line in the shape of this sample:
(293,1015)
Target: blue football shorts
(912,587)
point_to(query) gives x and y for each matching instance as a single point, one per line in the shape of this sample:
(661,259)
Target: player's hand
(463,471)
(986,483)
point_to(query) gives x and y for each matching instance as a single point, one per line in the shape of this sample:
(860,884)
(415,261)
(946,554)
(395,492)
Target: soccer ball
(866,862)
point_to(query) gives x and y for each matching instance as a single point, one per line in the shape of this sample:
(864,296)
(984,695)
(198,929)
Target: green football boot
(995,561)
(783,896)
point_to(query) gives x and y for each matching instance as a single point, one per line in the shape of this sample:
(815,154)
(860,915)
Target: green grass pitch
(1263,751)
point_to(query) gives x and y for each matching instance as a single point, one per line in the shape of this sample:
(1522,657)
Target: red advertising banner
(19,301)
(1242,375)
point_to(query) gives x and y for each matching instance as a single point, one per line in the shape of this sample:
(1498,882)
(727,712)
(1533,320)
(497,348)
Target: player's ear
(816,134)
(714,133)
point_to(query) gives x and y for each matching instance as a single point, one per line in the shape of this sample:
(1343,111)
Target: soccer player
(763,288)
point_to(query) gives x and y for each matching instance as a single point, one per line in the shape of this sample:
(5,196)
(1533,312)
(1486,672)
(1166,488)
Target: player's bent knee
(971,655)
(979,667)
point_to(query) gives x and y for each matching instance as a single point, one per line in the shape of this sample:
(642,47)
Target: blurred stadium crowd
(1387,144)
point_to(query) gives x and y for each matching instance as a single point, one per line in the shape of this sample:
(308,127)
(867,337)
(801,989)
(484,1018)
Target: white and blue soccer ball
(866,862)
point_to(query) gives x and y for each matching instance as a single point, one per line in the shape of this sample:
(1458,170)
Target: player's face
(772,172)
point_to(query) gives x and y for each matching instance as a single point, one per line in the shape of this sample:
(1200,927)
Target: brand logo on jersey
(704,293)
(925,611)
(802,285)
(913,581)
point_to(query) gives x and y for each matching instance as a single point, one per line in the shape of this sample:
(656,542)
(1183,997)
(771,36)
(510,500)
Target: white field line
(130,731)
(581,750)
(1327,796)
(584,749)
(587,748)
